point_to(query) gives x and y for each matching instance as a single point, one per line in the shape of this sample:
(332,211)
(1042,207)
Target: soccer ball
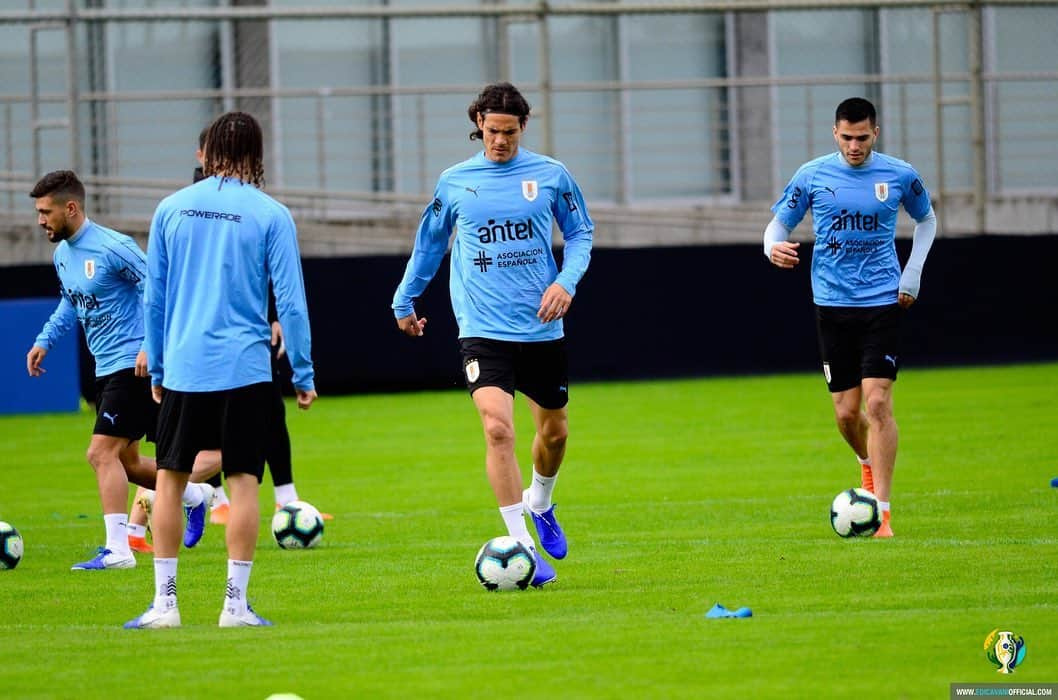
(297,525)
(855,513)
(10,546)
(504,564)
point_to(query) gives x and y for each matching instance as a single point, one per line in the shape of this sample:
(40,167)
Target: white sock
(883,506)
(540,491)
(235,591)
(117,532)
(137,530)
(219,497)
(193,495)
(865,462)
(514,519)
(286,493)
(164,583)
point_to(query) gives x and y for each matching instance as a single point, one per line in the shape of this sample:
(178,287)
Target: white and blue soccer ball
(10,546)
(505,564)
(855,513)
(297,525)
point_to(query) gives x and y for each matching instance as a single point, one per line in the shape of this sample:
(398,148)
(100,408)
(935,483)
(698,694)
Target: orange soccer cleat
(140,544)
(885,530)
(866,477)
(219,515)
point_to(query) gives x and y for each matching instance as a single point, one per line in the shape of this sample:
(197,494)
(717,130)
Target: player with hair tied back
(277,453)
(509,298)
(860,293)
(101,275)
(214,246)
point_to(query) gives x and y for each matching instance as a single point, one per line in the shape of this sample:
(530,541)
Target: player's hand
(156,392)
(554,304)
(277,339)
(141,364)
(412,325)
(305,398)
(905,300)
(784,254)
(33,359)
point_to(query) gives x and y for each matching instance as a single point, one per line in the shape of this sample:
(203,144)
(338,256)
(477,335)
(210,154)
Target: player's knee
(498,431)
(879,409)
(554,434)
(99,455)
(847,418)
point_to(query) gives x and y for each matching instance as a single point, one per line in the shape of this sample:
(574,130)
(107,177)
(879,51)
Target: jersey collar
(77,236)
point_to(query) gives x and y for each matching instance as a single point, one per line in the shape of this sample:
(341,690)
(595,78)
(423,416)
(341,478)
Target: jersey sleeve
(795,200)
(154,297)
(431,242)
(288,283)
(916,197)
(58,324)
(577,228)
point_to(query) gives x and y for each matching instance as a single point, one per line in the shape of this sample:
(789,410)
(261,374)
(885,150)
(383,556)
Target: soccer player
(509,298)
(277,453)
(214,246)
(859,290)
(101,274)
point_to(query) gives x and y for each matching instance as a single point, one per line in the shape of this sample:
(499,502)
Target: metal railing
(377,218)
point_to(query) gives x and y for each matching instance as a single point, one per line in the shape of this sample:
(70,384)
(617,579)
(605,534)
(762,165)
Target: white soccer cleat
(247,618)
(155,619)
(106,559)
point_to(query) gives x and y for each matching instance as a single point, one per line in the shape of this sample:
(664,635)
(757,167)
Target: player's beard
(61,233)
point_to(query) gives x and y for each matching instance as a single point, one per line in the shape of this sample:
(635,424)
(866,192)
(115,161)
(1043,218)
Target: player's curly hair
(235,146)
(502,98)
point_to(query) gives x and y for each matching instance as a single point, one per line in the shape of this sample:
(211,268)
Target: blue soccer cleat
(196,517)
(545,573)
(247,618)
(106,559)
(155,619)
(552,539)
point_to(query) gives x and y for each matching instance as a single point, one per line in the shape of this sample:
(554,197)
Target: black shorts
(857,343)
(538,370)
(235,421)
(124,407)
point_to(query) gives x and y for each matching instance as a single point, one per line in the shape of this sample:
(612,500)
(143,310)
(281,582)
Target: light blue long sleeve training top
(213,248)
(854,213)
(101,275)
(501,256)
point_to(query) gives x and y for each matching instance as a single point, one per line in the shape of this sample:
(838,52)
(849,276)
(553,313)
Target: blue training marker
(1054,482)
(719,611)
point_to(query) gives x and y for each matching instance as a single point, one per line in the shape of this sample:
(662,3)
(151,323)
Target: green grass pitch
(675,495)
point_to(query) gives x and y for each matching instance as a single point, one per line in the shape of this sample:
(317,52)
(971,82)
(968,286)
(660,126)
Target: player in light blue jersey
(509,298)
(214,247)
(101,275)
(859,290)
